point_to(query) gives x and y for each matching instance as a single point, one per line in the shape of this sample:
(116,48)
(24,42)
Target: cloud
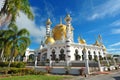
(36,32)
(49,9)
(115,23)
(115,44)
(108,8)
(113,49)
(115,31)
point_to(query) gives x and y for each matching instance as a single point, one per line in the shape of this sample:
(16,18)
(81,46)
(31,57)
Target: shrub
(21,65)
(13,64)
(4,64)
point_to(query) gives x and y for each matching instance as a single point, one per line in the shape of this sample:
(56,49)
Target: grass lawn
(33,77)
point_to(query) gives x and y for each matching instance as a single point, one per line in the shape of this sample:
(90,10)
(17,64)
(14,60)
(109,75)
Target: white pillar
(87,71)
(35,61)
(99,65)
(50,63)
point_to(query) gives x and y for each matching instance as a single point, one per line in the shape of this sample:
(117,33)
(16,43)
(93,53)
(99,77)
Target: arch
(43,56)
(100,57)
(31,57)
(53,55)
(62,51)
(89,55)
(95,56)
(62,55)
(77,56)
(53,51)
(83,54)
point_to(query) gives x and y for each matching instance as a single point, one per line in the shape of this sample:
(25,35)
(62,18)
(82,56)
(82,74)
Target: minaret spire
(60,20)
(48,24)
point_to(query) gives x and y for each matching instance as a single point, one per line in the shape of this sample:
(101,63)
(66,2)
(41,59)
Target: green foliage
(13,64)
(3,64)
(20,71)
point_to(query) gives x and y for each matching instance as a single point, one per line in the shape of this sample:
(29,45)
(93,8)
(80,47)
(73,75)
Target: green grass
(34,77)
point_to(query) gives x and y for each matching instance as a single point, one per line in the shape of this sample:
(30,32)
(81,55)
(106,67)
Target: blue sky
(89,19)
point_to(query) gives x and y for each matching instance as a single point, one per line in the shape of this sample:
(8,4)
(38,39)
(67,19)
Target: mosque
(59,44)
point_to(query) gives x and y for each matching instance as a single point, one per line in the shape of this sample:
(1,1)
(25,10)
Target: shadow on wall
(117,78)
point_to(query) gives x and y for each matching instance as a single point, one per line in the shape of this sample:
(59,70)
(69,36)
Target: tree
(4,41)
(19,40)
(11,9)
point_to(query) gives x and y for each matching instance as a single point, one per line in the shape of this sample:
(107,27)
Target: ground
(100,76)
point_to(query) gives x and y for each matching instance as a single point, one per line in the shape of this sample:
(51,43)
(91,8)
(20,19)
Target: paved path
(111,76)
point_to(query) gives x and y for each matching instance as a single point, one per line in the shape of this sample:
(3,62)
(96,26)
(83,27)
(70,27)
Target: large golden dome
(49,40)
(59,32)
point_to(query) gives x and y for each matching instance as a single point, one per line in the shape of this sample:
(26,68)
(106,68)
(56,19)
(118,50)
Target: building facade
(59,44)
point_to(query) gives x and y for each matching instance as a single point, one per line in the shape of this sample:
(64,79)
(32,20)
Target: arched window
(31,57)
(77,56)
(83,55)
(89,55)
(100,57)
(62,51)
(53,55)
(62,55)
(44,56)
(95,56)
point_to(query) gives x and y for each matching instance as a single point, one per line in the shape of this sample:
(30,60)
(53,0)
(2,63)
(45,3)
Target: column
(35,60)
(87,71)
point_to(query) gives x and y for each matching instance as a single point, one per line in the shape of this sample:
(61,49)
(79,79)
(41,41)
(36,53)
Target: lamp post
(87,71)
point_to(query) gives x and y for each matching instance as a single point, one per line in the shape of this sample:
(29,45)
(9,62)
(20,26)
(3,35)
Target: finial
(84,49)
(68,18)
(60,20)
(48,22)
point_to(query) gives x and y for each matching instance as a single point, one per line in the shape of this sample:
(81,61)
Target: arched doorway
(62,55)
(95,56)
(77,56)
(53,55)
(89,55)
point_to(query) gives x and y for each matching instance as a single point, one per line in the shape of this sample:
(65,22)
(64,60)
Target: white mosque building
(59,44)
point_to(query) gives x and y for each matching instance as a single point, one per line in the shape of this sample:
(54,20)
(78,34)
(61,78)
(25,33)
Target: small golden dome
(81,41)
(68,18)
(59,32)
(49,40)
(104,48)
(48,22)
(97,43)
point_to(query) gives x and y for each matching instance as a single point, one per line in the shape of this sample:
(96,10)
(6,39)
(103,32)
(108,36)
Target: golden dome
(59,32)
(81,41)
(49,40)
(48,22)
(97,43)
(104,48)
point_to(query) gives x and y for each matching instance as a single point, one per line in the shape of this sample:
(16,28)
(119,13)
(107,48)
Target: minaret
(68,24)
(68,40)
(48,24)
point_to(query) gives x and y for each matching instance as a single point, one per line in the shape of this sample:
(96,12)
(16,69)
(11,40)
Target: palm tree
(11,9)
(4,40)
(19,40)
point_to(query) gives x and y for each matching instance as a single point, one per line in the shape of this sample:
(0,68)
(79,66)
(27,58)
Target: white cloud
(113,49)
(115,31)
(109,8)
(115,23)
(115,44)
(36,32)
